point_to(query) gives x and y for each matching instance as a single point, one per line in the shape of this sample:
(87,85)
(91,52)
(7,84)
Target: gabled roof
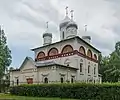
(26,59)
(67,40)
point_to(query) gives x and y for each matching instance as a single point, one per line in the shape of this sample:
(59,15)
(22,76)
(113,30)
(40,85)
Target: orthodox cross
(85,28)
(66,11)
(71,14)
(47,24)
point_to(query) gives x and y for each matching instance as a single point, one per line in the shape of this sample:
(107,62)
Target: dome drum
(64,22)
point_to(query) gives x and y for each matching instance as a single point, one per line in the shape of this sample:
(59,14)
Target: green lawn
(11,97)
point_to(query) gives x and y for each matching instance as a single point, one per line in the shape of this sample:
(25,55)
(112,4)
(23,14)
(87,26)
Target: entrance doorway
(61,79)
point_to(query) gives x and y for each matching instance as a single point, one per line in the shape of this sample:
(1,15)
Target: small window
(46,80)
(94,70)
(63,35)
(17,81)
(61,79)
(81,67)
(72,80)
(88,68)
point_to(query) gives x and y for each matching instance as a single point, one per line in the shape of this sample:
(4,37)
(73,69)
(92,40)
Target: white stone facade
(70,60)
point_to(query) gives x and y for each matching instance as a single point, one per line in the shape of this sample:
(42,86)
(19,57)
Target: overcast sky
(24,22)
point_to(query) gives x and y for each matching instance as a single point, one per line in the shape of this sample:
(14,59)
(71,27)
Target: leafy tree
(103,67)
(5,54)
(110,66)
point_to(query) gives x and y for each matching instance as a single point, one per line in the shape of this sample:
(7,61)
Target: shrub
(106,91)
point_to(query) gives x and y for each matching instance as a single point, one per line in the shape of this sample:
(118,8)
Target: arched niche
(95,56)
(53,51)
(82,50)
(67,48)
(41,55)
(67,62)
(89,53)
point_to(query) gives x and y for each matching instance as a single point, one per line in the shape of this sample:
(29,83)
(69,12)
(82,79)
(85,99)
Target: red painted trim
(83,49)
(90,52)
(51,49)
(65,47)
(39,54)
(65,55)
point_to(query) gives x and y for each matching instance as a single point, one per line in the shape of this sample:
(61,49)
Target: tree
(110,66)
(5,54)
(104,61)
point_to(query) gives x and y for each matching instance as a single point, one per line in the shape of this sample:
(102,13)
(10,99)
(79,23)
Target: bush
(107,91)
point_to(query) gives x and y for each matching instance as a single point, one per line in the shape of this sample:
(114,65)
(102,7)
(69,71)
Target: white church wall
(58,45)
(39,50)
(80,43)
(28,65)
(14,75)
(86,61)
(65,73)
(53,73)
(29,74)
(46,72)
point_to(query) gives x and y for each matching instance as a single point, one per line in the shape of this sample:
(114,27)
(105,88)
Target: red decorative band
(65,55)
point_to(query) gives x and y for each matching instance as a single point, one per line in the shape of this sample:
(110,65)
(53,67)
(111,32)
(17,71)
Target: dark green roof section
(67,40)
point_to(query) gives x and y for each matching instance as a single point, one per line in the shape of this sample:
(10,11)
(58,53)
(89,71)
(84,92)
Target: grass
(12,97)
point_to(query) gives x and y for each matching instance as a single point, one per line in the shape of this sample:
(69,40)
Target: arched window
(81,65)
(41,55)
(82,50)
(88,68)
(89,53)
(67,48)
(63,35)
(53,51)
(67,62)
(46,80)
(94,70)
(95,57)
(17,81)
(61,79)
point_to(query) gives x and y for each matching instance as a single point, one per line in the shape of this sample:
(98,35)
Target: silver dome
(64,22)
(47,34)
(72,24)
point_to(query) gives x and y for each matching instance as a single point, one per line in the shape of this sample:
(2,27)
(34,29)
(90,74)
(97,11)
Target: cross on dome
(71,14)
(85,28)
(47,24)
(66,10)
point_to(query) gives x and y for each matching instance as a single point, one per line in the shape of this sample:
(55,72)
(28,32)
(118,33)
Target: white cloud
(24,21)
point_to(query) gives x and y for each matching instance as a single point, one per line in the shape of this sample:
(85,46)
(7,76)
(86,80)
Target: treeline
(110,66)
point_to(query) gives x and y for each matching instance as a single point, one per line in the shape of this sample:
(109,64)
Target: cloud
(24,22)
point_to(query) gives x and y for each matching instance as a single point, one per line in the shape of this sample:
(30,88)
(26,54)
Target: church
(72,59)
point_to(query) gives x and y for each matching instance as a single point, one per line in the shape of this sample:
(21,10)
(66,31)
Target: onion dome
(64,22)
(47,34)
(72,24)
